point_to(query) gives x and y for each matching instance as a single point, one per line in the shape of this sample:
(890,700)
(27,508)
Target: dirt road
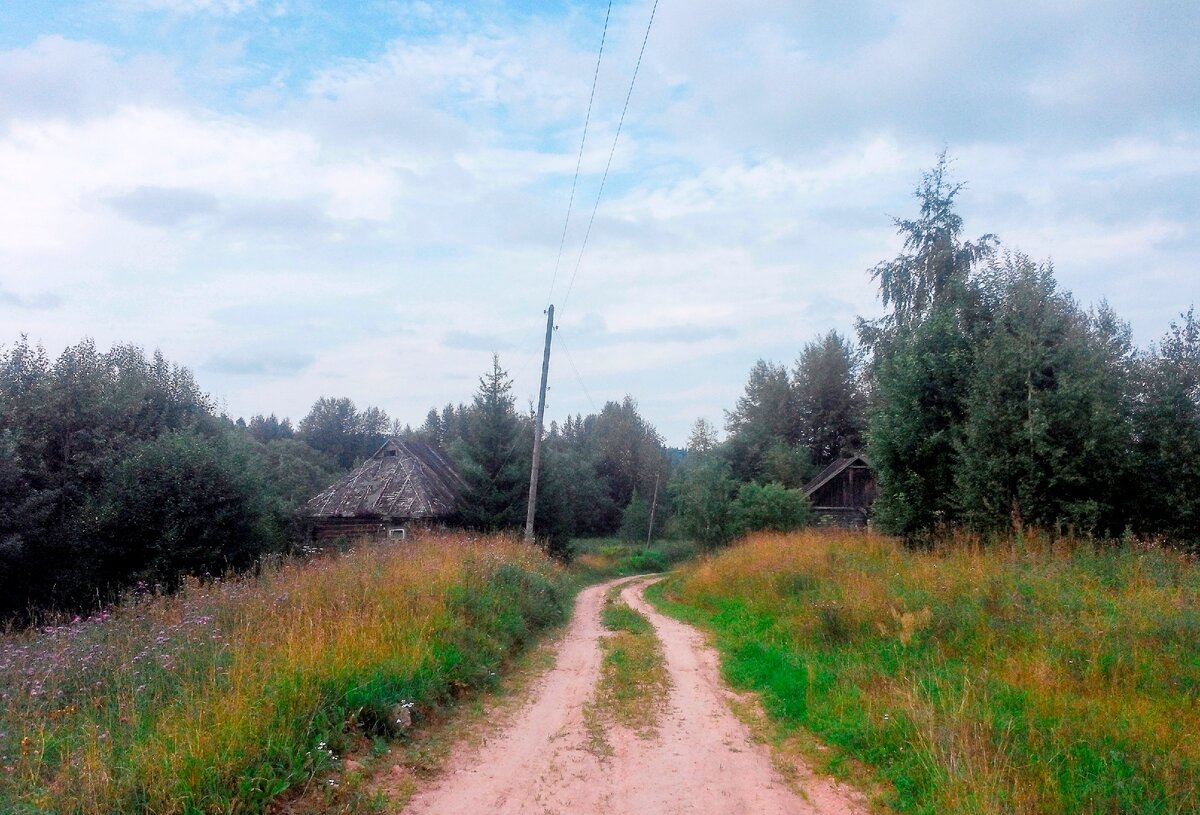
(701,760)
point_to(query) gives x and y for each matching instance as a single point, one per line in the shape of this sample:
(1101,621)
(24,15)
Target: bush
(772,507)
(179,504)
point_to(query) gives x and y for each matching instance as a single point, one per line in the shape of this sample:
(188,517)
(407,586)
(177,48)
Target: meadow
(1020,677)
(229,695)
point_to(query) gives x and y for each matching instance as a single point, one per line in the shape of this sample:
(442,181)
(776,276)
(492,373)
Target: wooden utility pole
(537,430)
(653,506)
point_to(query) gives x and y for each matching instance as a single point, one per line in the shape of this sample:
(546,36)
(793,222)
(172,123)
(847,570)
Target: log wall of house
(328,529)
(853,488)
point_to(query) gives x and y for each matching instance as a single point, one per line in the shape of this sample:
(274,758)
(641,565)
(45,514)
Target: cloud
(60,77)
(252,362)
(472,341)
(163,206)
(187,7)
(42,301)
(378,202)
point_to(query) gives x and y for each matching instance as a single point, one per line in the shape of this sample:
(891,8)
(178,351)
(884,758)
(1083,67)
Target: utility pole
(537,430)
(653,506)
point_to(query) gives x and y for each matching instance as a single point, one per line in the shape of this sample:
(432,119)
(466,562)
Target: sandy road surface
(702,759)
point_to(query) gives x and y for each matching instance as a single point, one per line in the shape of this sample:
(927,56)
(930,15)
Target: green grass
(633,675)
(225,697)
(597,559)
(1029,678)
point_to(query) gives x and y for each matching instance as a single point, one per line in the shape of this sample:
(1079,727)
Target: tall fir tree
(493,455)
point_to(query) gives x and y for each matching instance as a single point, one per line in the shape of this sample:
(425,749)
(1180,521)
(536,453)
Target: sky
(299,199)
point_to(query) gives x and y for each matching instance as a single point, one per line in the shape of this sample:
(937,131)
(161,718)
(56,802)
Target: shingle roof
(406,479)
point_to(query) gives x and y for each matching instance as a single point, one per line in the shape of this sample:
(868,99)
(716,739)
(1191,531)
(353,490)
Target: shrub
(771,507)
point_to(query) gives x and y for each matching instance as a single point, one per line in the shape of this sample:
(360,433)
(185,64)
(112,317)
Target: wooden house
(842,493)
(404,483)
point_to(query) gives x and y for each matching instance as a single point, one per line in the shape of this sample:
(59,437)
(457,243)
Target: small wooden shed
(402,484)
(842,493)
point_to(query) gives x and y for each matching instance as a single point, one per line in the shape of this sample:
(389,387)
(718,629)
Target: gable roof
(408,479)
(832,471)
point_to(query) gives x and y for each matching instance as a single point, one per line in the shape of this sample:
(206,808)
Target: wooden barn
(404,483)
(843,492)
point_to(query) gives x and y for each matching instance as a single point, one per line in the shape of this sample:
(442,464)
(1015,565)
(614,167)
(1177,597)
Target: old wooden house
(405,483)
(842,493)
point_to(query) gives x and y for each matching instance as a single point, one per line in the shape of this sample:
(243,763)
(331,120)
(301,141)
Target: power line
(579,159)
(611,153)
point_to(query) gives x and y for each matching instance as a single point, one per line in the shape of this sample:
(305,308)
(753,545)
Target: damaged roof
(408,479)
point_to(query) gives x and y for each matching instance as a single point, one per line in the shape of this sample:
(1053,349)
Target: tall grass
(224,696)
(1023,678)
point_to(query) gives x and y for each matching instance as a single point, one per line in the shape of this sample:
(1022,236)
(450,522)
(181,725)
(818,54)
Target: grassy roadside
(226,697)
(1015,679)
(633,675)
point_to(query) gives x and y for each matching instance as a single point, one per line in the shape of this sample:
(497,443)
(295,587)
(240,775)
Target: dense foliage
(115,471)
(1000,403)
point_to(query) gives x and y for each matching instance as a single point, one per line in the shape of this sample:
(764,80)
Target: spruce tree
(494,456)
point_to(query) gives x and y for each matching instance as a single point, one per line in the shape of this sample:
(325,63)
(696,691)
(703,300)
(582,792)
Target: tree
(182,503)
(703,502)
(635,520)
(829,403)
(493,456)
(626,451)
(1167,441)
(935,267)
(912,438)
(331,426)
(764,416)
(790,466)
(573,488)
(1044,440)
(703,438)
(270,428)
(336,428)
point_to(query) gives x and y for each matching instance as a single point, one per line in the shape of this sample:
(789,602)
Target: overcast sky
(295,199)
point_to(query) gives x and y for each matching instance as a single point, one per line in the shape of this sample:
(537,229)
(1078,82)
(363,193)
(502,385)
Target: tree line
(986,397)
(117,472)
(999,403)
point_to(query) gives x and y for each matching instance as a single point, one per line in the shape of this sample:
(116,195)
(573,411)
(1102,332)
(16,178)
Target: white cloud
(220,7)
(374,222)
